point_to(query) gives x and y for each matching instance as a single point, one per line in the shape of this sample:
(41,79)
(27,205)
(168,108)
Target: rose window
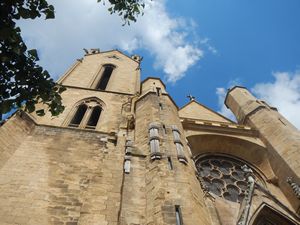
(223,177)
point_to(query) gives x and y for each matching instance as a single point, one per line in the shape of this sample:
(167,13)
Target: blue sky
(198,47)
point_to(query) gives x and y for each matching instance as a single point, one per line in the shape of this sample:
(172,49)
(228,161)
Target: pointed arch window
(77,118)
(107,71)
(87,114)
(94,117)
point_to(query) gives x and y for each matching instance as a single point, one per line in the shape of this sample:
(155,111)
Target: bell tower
(99,88)
(104,71)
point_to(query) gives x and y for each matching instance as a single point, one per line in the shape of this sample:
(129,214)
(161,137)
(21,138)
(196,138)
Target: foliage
(22,81)
(129,10)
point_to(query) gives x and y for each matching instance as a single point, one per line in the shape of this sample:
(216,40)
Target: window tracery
(87,114)
(77,118)
(223,176)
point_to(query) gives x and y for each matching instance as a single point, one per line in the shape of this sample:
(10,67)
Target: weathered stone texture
(62,176)
(281,138)
(85,72)
(57,174)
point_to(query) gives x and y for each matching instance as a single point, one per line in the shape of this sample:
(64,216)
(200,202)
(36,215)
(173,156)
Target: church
(123,153)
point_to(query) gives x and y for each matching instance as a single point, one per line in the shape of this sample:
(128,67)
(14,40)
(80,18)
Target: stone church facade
(123,153)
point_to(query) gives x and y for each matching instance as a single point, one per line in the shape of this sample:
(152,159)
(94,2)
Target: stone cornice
(27,117)
(92,89)
(154,93)
(218,127)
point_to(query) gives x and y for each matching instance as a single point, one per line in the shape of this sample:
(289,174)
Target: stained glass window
(223,176)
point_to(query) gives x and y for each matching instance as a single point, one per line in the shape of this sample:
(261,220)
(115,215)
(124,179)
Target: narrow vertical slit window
(178,214)
(77,118)
(95,115)
(158,91)
(102,84)
(170,164)
(161,106)
(164,129)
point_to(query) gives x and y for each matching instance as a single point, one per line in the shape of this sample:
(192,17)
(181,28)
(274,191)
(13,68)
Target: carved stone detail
(294,186)
(246,204)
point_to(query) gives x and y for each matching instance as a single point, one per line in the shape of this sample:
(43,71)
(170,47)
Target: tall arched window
(77,118)
(87,114)
(105,76)
(94,117)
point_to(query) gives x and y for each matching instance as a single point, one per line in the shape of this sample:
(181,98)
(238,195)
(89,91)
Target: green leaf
(30,106)
(62,89)
(33,52)
(50,12)
(6,32)
(6,106)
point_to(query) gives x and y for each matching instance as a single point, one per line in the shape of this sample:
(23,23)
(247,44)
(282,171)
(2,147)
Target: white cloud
(86,24)
(206,42)
(221,93)
(283,93)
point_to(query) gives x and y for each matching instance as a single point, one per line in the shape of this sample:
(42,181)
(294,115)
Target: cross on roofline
(191,97)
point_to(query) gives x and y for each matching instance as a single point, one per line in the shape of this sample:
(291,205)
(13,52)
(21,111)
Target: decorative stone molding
(128,147)
(246,204)
(91,51)
(154,125)
(127,157)
(155,155)
(175,128)
(294,186)
(127,164)
(179,146)
(103,141)
(182,159)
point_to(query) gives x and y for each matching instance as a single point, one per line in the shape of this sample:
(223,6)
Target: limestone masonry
(123,153)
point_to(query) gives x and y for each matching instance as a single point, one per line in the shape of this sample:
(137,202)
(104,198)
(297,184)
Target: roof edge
(207,109)
(155,78)
(113,50)
(231,89)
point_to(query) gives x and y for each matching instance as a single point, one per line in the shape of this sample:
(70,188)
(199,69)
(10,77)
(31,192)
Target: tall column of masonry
(280,136)
(171,184)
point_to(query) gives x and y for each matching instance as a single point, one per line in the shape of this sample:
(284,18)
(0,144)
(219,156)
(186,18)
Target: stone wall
(61,176)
